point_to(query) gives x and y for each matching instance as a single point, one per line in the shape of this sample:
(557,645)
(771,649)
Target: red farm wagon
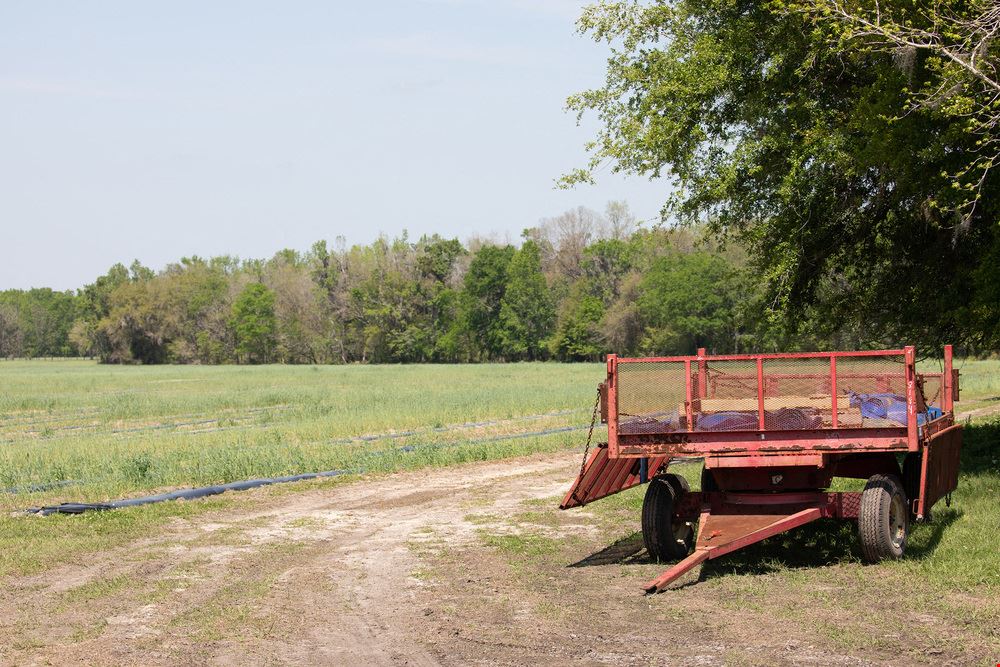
(774,430)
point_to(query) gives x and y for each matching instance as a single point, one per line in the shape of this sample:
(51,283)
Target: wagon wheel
(665,536)
(884,519)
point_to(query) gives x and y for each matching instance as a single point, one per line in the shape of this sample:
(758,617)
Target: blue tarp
(891,407)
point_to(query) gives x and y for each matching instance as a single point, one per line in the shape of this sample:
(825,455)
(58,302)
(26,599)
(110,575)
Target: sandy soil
(413,569)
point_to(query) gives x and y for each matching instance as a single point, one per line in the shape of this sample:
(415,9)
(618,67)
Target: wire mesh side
(651,397)
(729,400)
(872,391)
(784,393)
(798,394)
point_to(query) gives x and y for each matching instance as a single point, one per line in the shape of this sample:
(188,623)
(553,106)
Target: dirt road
(462,565)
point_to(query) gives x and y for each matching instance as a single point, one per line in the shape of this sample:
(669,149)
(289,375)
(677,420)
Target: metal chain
(590,433)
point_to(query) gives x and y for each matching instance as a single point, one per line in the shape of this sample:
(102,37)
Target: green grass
(30,544)
(121,430)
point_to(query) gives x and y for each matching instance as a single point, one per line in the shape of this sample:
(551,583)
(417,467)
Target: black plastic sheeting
(184,494)
(202,492)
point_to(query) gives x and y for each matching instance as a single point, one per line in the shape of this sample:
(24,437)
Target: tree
(96,303)
(960,73)
(484,287)
(81,337)
(563,239)
(254,324)
(133,331)
(43,318)
(578,336)
(195,299)
(303,328)
(526,310)
(688,302)
(605,263)
(620,221)
(10,333)
(809,154)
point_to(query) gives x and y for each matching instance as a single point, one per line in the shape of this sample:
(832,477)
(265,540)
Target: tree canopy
(816,148)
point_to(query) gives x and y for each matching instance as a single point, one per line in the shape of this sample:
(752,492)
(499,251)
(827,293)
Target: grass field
(101,432)
(110,431)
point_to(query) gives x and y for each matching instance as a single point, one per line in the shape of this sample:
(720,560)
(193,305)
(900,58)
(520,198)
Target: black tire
(679,484)
(708,483)
(665,537)
(884,519)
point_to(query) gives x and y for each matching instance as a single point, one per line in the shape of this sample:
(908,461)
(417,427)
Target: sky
(155,131)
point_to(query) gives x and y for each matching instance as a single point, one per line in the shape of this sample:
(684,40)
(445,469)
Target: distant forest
(578,286)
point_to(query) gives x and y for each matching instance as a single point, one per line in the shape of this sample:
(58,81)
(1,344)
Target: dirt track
(432,567)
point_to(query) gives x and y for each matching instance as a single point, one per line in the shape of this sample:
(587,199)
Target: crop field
(107,430)
(475,549)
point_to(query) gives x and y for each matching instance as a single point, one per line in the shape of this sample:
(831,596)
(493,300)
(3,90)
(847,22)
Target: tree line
(577,286)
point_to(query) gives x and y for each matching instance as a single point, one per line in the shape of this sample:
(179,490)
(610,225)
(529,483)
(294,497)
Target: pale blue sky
(159,130)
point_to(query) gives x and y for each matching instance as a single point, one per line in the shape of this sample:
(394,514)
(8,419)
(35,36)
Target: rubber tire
(658,524)
(679,484)
(878,541)
(708,483)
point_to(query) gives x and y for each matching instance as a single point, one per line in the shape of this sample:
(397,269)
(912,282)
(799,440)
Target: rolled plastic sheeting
(183,494)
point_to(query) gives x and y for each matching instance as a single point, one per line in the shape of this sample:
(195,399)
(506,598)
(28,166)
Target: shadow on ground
(823,543)
(627,550)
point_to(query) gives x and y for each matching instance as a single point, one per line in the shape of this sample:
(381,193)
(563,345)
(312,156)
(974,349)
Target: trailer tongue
(774,430)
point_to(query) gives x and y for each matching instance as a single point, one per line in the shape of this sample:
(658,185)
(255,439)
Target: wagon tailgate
(942,454)
(603,476)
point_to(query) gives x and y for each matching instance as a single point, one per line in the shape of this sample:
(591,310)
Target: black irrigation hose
(205,491)
(184,494)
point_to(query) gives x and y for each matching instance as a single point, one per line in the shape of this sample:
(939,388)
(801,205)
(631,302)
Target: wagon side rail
(774,403)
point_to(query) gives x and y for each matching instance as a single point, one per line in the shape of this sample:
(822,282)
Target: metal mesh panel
(797,394)
(732,379)
(649,394)
(872,391)
(728,402)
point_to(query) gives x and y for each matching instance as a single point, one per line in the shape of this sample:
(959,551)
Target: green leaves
(254,324)
(527,313)
(799,139)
